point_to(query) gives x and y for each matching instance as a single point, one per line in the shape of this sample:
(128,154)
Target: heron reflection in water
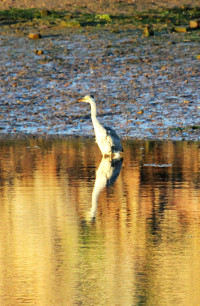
(106,175)
(108,141)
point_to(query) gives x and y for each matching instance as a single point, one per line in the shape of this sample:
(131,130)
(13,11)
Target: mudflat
(141,68)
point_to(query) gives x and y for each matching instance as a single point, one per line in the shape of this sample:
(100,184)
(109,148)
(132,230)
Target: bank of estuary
(146,84)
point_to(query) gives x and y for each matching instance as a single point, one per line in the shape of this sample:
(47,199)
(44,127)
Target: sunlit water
(78,230)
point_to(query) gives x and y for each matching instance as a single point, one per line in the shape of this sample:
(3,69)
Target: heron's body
(108,141)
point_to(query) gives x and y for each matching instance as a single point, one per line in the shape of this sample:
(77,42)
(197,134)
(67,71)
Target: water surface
(78,230)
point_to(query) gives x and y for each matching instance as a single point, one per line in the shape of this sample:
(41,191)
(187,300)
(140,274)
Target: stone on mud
(70,24)
(148,31)
(45,13)
(181,29)
(34,35)
(140,112)
(40,52)
(195,24)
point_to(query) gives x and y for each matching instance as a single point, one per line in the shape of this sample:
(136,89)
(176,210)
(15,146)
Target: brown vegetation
(111,6)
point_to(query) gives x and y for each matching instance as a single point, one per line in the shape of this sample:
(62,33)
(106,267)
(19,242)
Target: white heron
(108,141)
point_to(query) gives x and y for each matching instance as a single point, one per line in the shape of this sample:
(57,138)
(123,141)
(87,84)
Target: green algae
(161,20)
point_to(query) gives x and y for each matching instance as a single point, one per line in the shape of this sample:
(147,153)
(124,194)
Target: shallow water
(78,230)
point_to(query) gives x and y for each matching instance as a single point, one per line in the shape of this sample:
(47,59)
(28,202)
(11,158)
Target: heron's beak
(82,100)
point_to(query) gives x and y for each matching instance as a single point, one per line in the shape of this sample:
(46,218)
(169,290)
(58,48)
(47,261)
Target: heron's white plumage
(106,138)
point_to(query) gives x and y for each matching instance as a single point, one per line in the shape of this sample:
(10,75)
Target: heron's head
(87,99)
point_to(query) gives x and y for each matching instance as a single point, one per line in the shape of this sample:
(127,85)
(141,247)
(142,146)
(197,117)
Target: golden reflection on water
(68,240)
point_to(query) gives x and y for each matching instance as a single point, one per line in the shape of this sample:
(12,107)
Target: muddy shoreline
(145,87)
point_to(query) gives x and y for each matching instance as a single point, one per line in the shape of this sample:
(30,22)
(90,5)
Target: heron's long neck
(94,114)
